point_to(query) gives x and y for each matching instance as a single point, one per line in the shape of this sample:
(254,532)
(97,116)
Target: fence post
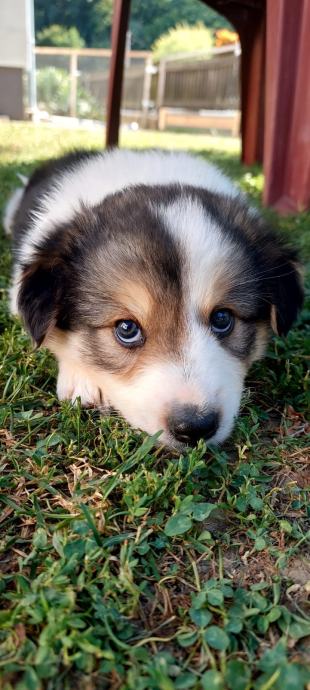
(161,83)
(146,92)
(161,87)
(73,83)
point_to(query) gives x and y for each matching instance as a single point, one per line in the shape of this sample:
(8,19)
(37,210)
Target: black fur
(40,299)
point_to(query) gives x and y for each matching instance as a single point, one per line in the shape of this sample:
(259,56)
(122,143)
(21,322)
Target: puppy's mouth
(171,443)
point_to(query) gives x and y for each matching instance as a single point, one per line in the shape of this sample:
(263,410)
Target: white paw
(72,384)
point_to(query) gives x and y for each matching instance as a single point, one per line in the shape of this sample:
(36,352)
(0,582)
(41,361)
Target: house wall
(16,37)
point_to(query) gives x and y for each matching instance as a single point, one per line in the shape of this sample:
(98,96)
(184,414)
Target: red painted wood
(252,39)
(248,18)
(287,137)
(119,29)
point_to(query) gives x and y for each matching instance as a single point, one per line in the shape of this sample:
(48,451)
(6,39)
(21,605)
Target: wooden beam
(119,30)
(87,52)
(287,140)
(252,90)
(248,18)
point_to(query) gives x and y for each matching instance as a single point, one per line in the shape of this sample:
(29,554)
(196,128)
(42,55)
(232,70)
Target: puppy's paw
(73,384)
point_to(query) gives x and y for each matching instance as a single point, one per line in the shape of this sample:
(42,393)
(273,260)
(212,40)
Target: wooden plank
(203,84)
(73,84)
(119,29)
(297,181)
(87,52)
(248,18)
(208,120)
(252,91)
(287,139)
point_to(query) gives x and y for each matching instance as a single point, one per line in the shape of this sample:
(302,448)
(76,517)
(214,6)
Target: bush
(53,94)
(60,36)
(182,39)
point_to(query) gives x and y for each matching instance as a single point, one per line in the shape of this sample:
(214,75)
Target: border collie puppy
(153,282)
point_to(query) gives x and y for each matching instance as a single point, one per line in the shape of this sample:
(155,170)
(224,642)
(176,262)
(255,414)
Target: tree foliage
(92,19)
(181,39)
(53,93)
(149,19)
(57,35)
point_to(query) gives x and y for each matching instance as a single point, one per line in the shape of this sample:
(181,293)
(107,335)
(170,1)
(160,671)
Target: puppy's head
(163,297)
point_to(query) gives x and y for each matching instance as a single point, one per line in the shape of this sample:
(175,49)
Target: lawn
(123,566)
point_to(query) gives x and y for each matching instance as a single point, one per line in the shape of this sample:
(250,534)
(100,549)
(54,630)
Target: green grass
(124,566)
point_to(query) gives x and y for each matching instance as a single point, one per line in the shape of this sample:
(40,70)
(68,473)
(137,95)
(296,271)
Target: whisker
(259,277)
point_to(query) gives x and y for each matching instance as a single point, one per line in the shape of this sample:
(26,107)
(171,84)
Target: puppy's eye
(222,321)
(128,333)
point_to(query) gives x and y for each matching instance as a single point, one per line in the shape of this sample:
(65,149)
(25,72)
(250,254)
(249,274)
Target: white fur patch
(205,247)
(14,290)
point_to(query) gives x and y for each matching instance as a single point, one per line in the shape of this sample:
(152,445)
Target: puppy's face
(161,298)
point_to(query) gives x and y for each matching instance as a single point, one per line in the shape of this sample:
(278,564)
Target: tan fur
(262,333)
(217,288)
(136,300)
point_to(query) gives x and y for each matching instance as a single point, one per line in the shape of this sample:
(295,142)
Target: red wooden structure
(275,91)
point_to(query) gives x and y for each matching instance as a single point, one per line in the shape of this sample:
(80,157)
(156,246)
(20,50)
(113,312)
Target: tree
(152,18)
(181,39)
(149,18)
(91,18)
(56,35)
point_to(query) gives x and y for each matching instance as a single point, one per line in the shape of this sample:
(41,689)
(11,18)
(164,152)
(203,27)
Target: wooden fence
(85,73)
(194,83)
(200,84)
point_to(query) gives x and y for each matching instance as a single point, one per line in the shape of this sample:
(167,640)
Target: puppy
(154,284)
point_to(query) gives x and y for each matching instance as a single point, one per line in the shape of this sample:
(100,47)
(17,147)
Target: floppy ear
(286,292)
(40,296)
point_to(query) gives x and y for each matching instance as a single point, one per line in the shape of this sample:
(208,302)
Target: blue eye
(222,321)
(128,333)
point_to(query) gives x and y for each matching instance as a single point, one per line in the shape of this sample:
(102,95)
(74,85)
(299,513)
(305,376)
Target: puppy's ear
(41,295)
(286,291)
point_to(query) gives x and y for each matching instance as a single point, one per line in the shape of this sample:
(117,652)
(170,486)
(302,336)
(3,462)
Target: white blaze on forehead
(218,375)
(206,249)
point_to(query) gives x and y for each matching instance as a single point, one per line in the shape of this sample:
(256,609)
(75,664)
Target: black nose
(188,424)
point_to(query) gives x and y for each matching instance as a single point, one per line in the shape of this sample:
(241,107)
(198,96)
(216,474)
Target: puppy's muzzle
(188,424)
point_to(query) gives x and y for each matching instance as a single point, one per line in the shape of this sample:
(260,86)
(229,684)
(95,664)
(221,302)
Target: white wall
(16,33)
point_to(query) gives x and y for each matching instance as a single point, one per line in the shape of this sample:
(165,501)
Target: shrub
(60,36)
(182,39)
(53,94)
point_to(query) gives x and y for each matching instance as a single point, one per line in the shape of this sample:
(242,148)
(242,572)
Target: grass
(124,566)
